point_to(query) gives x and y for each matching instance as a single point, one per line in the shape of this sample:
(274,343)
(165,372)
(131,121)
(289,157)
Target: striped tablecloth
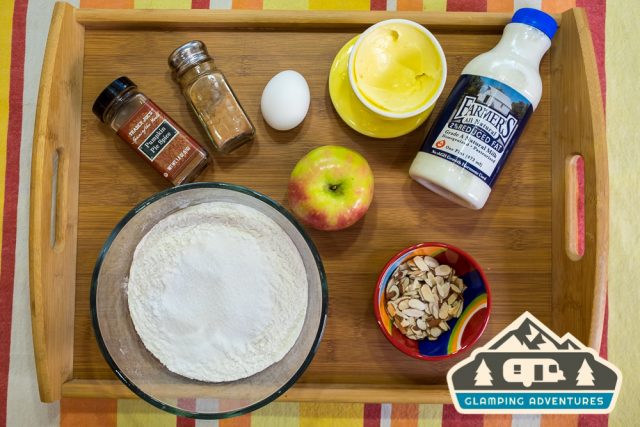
(23,31)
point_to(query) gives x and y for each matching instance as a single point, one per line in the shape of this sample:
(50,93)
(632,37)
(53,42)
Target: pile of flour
(217,292)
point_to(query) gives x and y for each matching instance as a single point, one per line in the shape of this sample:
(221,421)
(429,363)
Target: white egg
(285,100)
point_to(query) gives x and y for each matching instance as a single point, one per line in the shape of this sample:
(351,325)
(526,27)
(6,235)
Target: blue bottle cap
(537,19)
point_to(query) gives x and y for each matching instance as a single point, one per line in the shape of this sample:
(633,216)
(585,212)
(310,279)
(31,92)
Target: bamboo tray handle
(579,183)
(54,202)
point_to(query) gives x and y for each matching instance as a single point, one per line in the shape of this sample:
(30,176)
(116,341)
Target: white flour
(217,292)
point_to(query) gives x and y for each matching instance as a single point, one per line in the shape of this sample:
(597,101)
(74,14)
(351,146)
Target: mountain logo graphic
(528,369)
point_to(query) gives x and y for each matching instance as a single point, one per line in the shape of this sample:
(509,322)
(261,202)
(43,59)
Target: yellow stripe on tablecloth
(331,414)
(429,415)
(277,415)
(6,28)
(339,4)
(138,413)
(162,4)
(434,5)
(285,4)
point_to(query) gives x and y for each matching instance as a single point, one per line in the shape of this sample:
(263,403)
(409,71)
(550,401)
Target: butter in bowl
(385,82)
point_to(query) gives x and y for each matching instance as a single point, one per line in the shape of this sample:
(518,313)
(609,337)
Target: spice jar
(210,96)
(150,131)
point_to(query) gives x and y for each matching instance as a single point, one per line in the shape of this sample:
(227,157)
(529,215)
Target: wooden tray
(84,179)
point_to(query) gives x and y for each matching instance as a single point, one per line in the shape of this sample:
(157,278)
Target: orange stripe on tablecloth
(557,6)
(409,5)
(499,5)
(497,420)
(404,415)
(227,405)
(553,420)
(88,412)
(107,4)
(247,4)
(241,421)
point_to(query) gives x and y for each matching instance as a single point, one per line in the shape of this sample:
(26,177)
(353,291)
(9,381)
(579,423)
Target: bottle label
(159,140)
(478,126)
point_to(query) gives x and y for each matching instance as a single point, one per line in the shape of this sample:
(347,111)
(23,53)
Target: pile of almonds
(422,295)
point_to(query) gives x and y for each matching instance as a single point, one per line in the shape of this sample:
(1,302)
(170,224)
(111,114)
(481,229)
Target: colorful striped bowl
(465,330)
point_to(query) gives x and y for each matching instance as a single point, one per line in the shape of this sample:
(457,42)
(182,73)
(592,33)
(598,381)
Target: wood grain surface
(54,203)
(518,238)
(510,237)
(580,287)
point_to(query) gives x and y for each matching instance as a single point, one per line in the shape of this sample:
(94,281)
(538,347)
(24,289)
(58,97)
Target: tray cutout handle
(574,207)
(54,202)
(579,240)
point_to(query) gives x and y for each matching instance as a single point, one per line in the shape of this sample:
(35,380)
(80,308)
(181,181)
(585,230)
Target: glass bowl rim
(379,284)
(94,315)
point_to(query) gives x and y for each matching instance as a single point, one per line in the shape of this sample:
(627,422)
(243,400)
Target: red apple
(331,188)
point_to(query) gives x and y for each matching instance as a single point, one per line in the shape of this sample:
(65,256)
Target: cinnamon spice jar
(150,131)
(211,97)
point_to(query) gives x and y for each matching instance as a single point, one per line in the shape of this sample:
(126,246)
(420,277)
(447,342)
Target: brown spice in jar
(150,131)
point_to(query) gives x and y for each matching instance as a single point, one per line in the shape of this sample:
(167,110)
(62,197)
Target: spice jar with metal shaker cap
(156,138)
(210,96)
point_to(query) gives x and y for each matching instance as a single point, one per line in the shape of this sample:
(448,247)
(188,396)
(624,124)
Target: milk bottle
(485,113)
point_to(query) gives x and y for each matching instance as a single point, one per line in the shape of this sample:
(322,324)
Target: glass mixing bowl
(139,369)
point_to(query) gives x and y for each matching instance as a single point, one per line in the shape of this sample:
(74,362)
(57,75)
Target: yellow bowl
(387,56)
(354,113)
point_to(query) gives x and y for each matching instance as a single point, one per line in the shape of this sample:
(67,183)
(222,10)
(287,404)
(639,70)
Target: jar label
(479,126)
(159,140)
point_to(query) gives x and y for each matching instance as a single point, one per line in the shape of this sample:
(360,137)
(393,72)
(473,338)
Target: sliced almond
(420,263)
(426,294)
(417,304)
(421,324)
(442,270)
(454,308)
(412,312)
(422,295)
(435,309)
(443,290)
(393,292)
(391,309)
(452,297)
(431,262)
(444,311)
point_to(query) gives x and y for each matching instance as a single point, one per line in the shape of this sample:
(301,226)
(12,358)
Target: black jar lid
(105,99)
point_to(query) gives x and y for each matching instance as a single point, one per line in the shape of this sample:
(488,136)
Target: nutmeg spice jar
(150,131)
(210,96)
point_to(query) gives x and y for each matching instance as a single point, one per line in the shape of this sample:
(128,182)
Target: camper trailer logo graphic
(527,368)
